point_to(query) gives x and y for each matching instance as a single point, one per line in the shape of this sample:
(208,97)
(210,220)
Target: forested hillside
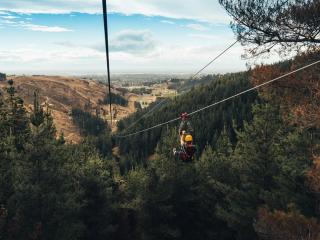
(116,99)
(208,125)
(183,85)
(256,174)
(257,178)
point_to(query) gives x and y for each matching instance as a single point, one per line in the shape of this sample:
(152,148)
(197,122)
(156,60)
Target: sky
(146,36)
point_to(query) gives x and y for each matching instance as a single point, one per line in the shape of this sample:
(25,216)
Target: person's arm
(181,127)
(189,128)
(176,152)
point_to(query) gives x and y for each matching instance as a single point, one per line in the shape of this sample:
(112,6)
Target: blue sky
(146,36)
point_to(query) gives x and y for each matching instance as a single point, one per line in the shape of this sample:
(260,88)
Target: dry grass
(63,94)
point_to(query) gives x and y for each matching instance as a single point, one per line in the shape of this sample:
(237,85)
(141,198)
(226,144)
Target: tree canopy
(283,25)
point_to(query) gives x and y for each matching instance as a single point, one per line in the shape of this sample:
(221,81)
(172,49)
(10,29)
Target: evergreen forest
(255,176)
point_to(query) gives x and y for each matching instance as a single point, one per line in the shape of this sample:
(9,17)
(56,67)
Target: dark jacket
(186,152)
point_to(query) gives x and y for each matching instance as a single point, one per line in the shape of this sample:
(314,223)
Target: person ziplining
(187,148)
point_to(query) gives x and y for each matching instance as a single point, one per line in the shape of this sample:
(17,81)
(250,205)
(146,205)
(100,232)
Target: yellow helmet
(188,138)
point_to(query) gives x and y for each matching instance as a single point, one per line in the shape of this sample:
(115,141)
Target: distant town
(144,88)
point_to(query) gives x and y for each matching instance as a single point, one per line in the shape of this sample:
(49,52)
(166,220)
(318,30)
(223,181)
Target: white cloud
(218,38)
(7,22)
(197,27)
(37,54)
(73,59)
(203,10)
(43,28)
(205,36)
(127,44)
(67,44)
(185,59)
(131,41)
(168,22)
(8,17)
(65,56)
(33,27)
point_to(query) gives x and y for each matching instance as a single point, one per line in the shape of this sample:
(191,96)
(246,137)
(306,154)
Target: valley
(61,94)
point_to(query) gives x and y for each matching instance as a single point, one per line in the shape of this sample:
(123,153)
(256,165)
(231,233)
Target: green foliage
(218,197)
(3,77)
(208,124)
(53,190)
(169,200)
(48,189)
(13,117)
(14,132)
(184,85)
(260,167)
(88,123)
(115,99)
(37,116)
(141,91)
(94,129)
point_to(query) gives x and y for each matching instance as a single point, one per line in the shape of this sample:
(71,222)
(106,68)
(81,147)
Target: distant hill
(64,93)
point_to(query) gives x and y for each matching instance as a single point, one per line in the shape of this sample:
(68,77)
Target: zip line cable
(224,100)
(192,77)
(106,37)
(146,114)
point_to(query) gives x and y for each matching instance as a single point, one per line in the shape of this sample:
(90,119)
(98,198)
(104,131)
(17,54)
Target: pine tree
(270,159)
(14,134)
(16,122)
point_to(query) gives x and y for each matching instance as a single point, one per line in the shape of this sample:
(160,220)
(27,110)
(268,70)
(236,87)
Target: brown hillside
(64,93)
